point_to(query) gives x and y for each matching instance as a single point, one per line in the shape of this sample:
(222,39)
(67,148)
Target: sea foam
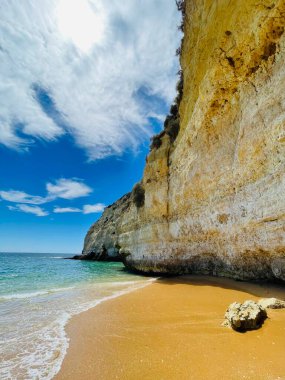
(38,297)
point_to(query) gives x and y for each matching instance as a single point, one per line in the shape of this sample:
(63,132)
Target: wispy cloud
(67,189)
(60,75)
(63,210)
(36,210)
(22,197)
(62,188)
(87,209)
(90,209)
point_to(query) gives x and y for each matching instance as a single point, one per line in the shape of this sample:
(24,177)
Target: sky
(84,84)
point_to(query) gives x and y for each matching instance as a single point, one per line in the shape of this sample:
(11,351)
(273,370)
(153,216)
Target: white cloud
(95,84)
(22,197)
(67,189)
(62,188)
(36,210)
(62,210)
(87,209)
(96,208)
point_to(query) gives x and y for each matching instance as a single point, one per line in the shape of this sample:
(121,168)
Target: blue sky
(84,84)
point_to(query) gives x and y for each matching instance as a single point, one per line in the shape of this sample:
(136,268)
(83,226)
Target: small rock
(271,303)
(246,316)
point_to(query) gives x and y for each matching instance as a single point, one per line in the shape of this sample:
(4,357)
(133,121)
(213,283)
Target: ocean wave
(43,359)
(9,275)
(55,257)
(7,297)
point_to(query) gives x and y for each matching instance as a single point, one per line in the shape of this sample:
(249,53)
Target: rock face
(271,303)
(101,241)
(214,198)
(246,316)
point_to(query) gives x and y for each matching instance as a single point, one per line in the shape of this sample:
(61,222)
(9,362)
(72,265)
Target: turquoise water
(38,295)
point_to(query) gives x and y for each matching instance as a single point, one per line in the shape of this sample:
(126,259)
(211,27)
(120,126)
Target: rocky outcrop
(214,196)
(246,316)
(102,240)
(271,303)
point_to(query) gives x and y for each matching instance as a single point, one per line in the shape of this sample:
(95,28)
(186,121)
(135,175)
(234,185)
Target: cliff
(101,241)
(213,197)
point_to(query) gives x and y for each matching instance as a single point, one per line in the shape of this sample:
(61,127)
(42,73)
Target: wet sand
(170,330)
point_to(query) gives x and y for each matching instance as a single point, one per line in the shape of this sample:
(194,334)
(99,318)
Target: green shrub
(172,128)
(174,109)
(156,141)
(138,195)
(179,88)
(172,121)
(181,5)
(179,85)
(178,51)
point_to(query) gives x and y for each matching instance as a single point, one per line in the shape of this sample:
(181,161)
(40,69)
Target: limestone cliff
(214,198)
(101,241)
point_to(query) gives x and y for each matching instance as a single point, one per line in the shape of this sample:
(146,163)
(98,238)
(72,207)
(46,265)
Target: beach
(39,293)
(171,329)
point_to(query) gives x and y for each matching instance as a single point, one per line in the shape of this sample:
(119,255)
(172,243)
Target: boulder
(271,303)
(245,316)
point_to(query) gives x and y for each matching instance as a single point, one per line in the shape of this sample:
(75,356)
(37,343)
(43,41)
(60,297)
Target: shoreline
(137,285)
(171,329)
(36,319)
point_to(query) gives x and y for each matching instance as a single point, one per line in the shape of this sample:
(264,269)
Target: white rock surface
(271,303)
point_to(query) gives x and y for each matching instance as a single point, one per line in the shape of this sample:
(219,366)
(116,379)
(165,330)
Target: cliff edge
(211,199)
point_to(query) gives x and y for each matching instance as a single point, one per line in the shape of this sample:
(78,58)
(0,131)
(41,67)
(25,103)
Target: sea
(39,293)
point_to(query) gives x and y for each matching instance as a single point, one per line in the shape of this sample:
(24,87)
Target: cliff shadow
(257,289)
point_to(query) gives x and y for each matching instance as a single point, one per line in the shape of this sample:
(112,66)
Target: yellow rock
(214,200)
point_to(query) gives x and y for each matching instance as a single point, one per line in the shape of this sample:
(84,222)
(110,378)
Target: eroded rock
(271,303)
(214,198)
(102,240)
(245,316)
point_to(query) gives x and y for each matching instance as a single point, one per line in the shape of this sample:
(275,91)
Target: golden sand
(171,329)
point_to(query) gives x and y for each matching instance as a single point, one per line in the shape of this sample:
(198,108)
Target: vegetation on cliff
(138,195)
(172,120)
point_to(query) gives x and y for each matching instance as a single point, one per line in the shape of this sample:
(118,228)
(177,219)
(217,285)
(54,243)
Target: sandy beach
(171,329)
